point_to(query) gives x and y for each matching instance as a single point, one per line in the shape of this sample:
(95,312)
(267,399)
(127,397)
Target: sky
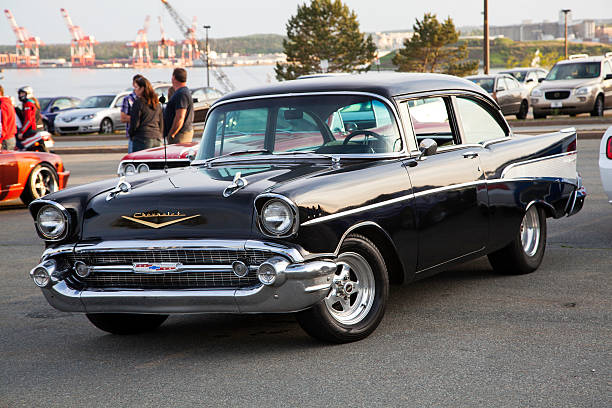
(119,20)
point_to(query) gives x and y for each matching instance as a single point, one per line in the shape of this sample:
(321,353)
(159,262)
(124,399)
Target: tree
(324,30)
(434,48)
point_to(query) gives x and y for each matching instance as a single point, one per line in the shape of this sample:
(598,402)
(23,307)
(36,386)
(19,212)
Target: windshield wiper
(329,156)
(236,153)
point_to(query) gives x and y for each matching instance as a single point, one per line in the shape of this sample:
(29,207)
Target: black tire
(125,323)
(598,108)
(106,126)
(539,115)
(41,181)
(522,113)
(319,322)
(514,259)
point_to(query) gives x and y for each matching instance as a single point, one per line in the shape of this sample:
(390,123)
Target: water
(82,82)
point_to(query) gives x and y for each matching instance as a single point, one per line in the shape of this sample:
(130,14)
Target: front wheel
(525,253)
(125,323)
(43,180)
(522,113)
(356,302)
(106,126)
(598,108)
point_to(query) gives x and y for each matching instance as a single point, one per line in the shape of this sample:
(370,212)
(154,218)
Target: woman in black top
(146,117)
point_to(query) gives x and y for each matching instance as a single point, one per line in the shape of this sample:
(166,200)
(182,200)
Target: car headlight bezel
(278,216)
(583,91)
(88,117)
(537,93)
(62,218)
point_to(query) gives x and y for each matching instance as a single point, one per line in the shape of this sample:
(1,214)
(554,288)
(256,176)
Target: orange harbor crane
(81,46)
(140,55)
(27,46)
(165,44)
(190,50)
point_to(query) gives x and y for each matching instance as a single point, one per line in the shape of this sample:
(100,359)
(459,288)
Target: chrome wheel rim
(43,182)
(352,294)
(106,126)
(530,231)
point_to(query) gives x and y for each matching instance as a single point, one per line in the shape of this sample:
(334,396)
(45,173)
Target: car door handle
(470,155)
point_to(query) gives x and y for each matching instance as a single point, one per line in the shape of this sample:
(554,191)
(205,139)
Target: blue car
(50,107)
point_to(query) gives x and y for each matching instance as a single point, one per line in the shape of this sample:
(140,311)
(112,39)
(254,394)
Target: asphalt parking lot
(465,338)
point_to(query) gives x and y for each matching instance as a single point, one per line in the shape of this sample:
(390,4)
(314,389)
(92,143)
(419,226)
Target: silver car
(580,84)
(510,95)
(98,113)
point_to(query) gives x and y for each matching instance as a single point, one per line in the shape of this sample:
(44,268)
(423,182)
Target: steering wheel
(362,132)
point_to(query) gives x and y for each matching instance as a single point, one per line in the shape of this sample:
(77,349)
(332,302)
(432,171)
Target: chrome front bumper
(298,285)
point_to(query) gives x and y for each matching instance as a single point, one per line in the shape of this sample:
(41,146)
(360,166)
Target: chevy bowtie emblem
(138,218)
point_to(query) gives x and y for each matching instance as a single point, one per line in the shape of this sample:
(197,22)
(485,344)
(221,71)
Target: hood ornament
(123,187)
(236,185)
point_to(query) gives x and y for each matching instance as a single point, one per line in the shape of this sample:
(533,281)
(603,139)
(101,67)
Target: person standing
(8,127)
(146,117)
(178,116)
(32,119)
(126,107)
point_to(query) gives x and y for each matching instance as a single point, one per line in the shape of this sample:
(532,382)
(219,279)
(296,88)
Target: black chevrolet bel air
(310,196)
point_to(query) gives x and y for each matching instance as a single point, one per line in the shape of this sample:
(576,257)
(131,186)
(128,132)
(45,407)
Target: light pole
(206,28)
(565,11)
(486,37)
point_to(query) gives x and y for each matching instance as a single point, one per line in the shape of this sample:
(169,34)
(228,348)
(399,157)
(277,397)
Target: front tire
(42,180)
(106,126)
(598,108)
(356,302)
(522,113)
(525,253)
(125,323)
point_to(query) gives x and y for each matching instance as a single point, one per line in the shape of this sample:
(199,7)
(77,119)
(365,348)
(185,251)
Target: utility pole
(486,37)
(206,28)
(565,11)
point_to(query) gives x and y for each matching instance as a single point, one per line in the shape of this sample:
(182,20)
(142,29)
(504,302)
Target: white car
(605,162)
(98,113)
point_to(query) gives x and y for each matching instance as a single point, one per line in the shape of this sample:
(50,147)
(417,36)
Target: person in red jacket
(32,120)
(8,127)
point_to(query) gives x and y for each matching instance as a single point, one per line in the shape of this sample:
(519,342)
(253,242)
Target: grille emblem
(138,218)
(156,268)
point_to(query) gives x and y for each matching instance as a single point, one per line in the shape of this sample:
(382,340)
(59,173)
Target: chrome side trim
(522,163)
(51,252)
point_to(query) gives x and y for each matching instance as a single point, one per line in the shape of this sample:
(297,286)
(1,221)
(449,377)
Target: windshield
(486,83)
(326,124)
(578,70)
(100,101)
(44,102)
(518,75)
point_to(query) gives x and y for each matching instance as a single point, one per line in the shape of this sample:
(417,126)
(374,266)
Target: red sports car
(30,175)
(178,156)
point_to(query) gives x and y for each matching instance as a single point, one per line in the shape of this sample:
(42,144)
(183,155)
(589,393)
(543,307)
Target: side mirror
(500,88)
(529,80)
(541,79)
(609,76)
(428,147)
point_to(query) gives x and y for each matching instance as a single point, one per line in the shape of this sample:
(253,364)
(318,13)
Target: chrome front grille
(218,277)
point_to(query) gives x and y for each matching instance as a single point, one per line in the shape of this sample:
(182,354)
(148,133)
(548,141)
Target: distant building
(391,40)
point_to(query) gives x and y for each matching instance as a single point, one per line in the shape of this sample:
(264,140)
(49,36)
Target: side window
(430,120)
(511,83)
(607,69)
(296,130)
(119,101)
(62,103)
(532,76)
(478,124)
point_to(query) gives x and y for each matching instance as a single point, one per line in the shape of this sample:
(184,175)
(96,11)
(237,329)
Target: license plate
(156,268)
(556,104)
(48,143)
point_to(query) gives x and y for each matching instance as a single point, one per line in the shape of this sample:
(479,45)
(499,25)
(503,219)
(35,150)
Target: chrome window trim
(388,102)
(292,205)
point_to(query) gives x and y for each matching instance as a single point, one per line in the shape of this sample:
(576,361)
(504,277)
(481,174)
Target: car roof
(490,76)
(521,69)
(595,58)
(387,85)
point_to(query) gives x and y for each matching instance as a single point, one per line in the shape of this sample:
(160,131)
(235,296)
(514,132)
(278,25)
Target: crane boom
(182,25)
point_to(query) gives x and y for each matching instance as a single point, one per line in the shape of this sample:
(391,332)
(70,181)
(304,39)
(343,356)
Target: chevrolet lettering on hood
(137,217)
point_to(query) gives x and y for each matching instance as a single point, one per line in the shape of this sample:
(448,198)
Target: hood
(79,113)
(188,203)
(568,83)
(173,151)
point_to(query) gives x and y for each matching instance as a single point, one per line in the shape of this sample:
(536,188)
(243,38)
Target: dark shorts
(142,144)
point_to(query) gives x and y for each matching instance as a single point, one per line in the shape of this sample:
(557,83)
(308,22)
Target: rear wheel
(356,302)
(125,323)
(106,126)
(522,113)
(43,180)
(598,108)
(525,253)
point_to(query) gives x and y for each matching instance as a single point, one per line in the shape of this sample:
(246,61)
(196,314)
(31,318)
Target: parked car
(580,84)
(605,163)
(202,99)
(513,99)
(30,175)
(98,113)
(527,77)
(176,155)
(51,107)
(284,211)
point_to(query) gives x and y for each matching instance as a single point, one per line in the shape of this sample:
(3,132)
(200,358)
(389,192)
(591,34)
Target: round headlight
(277,217)
(51,222)
(129,169)
(142,168)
